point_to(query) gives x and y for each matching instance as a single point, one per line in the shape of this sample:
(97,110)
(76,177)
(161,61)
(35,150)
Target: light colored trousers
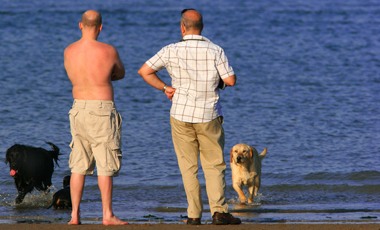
(207,139)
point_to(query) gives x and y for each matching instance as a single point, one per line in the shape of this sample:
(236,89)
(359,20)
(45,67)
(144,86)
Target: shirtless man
(95,123)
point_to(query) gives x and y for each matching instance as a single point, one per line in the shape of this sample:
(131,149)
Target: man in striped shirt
(197,66)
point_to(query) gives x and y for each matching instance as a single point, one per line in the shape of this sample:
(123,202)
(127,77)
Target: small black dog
(62,198)
(31,167)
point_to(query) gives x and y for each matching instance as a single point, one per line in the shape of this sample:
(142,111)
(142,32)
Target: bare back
(91,66)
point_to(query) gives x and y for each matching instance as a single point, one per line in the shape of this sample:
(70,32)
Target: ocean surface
(308,89)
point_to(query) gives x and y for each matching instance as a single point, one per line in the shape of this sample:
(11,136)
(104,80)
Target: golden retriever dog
(246,170)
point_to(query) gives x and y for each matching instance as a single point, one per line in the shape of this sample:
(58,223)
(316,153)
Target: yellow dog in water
(246,170)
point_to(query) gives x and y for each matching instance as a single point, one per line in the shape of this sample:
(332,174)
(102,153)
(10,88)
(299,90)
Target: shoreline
(162,226)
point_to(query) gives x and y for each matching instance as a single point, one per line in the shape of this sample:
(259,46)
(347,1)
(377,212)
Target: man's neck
(88,36)
(90,33)
(192,32)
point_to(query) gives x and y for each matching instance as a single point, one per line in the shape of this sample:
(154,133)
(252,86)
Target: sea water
(308,88)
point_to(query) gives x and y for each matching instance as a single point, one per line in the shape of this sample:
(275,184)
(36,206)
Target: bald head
(192,20)
(91,18)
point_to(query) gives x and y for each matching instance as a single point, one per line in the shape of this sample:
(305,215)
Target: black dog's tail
(55,152)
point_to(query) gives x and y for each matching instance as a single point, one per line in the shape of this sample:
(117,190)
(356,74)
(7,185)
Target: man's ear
(80,26)
(100,27)
(183,30)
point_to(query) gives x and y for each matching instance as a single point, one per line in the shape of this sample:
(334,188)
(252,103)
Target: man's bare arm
(118,71)
(230,81)
(150,76)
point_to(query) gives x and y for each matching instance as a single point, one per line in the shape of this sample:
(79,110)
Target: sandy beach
(299,226)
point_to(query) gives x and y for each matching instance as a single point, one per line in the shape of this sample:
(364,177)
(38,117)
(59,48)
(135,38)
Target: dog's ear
(250,153)
(6,157)
(232,151)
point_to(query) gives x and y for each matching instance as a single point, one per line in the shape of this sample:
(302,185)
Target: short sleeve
(157,62)
(224,68)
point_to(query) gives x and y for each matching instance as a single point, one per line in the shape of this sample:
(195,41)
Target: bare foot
(74,222)
(114,221)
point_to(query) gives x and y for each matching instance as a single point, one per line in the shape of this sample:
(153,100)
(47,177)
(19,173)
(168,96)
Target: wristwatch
(163,90)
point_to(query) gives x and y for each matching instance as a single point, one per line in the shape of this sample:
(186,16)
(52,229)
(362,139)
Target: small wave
(353,176)
(169,209)
(363,177)
(289,188)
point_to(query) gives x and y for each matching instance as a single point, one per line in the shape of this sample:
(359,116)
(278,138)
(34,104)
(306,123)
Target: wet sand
(299,226)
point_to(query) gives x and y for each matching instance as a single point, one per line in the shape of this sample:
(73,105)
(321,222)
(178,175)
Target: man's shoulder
(71,48)
(170,46)
(104,49)
(212,44)
(105,46)
(72,45)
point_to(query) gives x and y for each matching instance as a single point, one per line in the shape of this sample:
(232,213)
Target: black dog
(62,198)
(31,167)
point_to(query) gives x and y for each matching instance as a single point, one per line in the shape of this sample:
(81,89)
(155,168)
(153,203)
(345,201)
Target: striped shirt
(195,65)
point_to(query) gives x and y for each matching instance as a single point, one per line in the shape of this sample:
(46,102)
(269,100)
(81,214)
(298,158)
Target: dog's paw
(243,201)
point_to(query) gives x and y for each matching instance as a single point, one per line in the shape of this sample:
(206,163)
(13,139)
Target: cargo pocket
(120,119)
(114,158)
(70,157)
(72,114)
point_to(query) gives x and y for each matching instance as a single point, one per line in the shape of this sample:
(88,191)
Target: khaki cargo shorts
(96,138)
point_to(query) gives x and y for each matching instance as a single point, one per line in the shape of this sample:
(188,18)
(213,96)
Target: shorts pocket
(100,123)
(72,114)
(114,158)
